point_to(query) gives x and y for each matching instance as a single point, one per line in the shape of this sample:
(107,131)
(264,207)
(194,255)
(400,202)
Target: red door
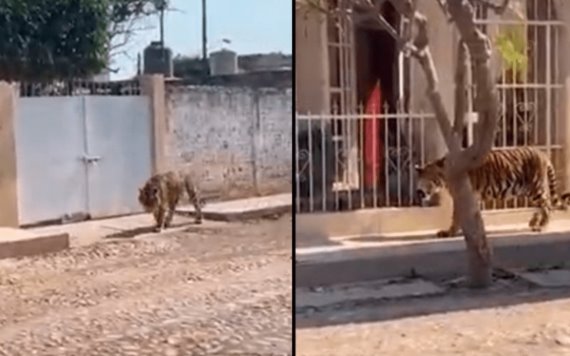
(373,145)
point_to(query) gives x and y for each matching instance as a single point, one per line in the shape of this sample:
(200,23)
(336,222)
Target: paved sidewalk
(251,208)
(352,259)
(140,225)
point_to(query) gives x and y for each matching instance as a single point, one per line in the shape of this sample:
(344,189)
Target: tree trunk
(479,255)
(459,162)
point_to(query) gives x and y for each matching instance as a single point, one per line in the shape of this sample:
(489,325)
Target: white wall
(238,140)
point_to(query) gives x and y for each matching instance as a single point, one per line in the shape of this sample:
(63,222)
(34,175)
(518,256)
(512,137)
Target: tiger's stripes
(162,192)
(504,173)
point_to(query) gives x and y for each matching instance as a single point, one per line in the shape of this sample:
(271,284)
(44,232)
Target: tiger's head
(148,196)
(430,182)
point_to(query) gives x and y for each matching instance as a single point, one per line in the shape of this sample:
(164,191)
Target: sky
(252,26)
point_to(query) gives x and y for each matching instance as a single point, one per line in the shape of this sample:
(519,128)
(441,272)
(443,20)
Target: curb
(16,243)
(243,209)
(247,215)
(431,259)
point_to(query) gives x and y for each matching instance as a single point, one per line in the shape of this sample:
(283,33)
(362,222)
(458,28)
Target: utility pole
(204,35)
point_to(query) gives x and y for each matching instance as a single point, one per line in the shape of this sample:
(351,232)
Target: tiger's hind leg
(559,202)
(541,218)
(564,201)
(195,198)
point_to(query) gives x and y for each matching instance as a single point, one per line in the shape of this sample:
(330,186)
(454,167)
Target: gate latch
(91,159)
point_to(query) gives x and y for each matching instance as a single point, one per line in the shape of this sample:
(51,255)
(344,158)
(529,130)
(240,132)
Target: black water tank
(158,59)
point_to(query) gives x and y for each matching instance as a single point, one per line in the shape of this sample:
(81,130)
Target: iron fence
(359,160)
(80,87)
(350,159)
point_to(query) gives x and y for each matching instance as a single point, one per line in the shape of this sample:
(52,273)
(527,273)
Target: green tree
(45,40)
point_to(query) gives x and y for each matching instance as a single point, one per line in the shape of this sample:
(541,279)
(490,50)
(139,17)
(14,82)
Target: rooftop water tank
(157,59)
(223,62)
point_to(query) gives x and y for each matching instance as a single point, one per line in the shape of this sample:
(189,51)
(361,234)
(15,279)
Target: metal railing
(80,87)
(350,159)
(359,160)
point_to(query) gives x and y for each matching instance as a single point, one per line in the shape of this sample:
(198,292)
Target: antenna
(204,34)
(160,5)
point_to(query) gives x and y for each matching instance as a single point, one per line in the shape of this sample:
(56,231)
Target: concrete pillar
(153,87)
(8,171)
(311,62)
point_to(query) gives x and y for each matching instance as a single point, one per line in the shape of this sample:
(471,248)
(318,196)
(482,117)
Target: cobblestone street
(508,320)
(220,288)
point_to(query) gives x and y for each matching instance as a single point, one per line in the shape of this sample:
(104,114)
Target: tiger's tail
(559,202)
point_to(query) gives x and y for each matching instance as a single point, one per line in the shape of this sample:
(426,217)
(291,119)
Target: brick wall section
(236,139)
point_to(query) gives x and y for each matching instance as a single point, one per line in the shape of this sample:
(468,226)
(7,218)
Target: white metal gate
(81,155)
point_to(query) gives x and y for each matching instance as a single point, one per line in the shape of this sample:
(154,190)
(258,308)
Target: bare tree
(415,42)
(130,17)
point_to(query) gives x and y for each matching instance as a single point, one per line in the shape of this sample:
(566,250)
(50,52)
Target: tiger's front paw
(443,234)
(536,228)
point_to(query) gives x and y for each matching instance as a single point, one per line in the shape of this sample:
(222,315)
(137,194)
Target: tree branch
(420,50)
(460,89)
(486,96)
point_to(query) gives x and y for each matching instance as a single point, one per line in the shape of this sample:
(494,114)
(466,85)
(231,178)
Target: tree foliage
(45,39)
(511,43)
(56,39)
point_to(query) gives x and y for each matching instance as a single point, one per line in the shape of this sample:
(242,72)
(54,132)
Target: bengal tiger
(504,173)
(161,194)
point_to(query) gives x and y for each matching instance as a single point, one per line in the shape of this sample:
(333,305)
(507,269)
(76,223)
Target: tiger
(161,194)
(504,173)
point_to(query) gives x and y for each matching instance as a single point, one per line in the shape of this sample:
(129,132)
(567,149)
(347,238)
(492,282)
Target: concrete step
(15,243)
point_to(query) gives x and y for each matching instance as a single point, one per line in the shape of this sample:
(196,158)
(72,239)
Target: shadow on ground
(454,300)
(151,229)
(184,227)
(131,233)
(303,240)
